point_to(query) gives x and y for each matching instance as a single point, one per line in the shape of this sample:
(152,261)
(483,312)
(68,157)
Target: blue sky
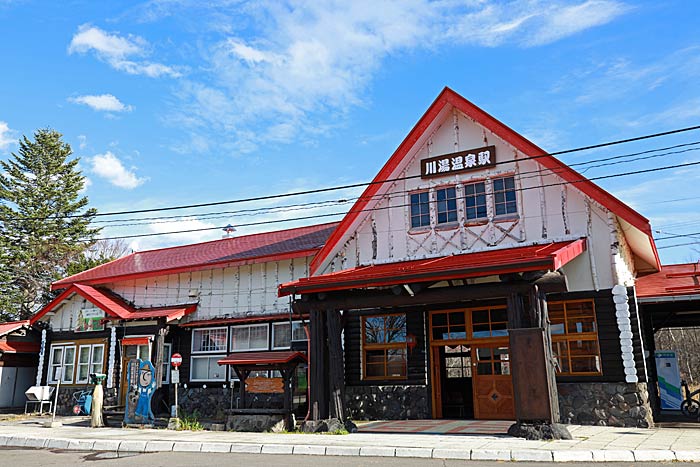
(179,102)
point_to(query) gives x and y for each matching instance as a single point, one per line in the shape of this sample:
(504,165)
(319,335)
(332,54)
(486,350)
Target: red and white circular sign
(176,360)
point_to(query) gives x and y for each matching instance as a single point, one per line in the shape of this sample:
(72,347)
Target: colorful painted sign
(89,319)
(458,162)
(142,385)
(669,379)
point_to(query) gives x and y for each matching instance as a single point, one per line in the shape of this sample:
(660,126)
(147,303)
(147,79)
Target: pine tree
(40,194)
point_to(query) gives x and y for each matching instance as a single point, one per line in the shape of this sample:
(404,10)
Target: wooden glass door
(130,352)
(493,385)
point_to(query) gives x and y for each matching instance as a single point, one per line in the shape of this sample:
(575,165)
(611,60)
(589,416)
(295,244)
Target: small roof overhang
(241,320)
(551,256)
(18,347)
(279,357)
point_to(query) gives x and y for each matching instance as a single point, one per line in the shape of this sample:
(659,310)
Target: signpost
(175,361)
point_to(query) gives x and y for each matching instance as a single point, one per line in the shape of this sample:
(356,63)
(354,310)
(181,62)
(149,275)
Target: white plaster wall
(549,210)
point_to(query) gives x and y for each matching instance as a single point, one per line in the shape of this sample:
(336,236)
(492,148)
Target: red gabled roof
(18,347)
(262,358)
(10,326)
(115,307)
(550,256)
(449,97)
(672,280)
(268,246)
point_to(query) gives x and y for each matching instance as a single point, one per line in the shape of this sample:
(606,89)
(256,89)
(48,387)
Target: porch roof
(550,256)
(18,347)
(263,358)
(673,280)
(11,326)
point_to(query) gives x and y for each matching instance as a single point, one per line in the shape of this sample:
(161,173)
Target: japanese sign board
(175,376)
(458,162)
(264,385)
(176,360)
(89,319)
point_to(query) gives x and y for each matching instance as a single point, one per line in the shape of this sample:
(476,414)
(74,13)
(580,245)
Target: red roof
(262,358)
(486,263)
(269,246)
(114,306)
(672,280)
(449,97)
(10,326)
(18,347)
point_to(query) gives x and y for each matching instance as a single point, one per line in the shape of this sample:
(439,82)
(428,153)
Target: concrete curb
(522,455)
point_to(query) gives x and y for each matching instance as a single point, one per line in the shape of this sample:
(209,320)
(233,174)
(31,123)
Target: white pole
(55,399)
(176,384)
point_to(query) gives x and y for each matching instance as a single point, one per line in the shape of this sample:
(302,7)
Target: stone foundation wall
(387,402)
(605,404)
(212,403)
(66,401)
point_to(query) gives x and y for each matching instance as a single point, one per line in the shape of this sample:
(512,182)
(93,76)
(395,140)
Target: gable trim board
(636,227)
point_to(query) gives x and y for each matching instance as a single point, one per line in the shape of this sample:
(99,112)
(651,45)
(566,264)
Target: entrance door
(455,381)
(130,352)
(493,385)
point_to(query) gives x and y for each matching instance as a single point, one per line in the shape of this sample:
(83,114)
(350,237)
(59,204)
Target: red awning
(136,341)
(263,358)
(18,347)
(551,256)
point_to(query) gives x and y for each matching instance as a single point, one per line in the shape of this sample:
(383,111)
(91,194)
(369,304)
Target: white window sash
(65,364)
(167,352)
(206,357)
(250,326)
(198,330)
(291,334)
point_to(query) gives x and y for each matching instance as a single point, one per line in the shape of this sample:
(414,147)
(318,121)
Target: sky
(181,102)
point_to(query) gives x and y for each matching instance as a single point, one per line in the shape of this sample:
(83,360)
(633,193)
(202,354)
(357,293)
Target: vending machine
(669,379)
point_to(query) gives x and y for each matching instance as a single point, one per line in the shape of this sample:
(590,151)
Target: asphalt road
(42,457)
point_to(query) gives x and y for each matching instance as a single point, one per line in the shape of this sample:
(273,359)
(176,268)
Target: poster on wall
(89,319)
(669,379)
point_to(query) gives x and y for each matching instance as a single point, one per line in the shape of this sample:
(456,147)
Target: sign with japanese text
(458,162)
(264,385)
(175,376)
(89,319)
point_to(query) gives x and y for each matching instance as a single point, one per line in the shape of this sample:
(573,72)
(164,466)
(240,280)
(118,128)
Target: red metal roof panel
(671,280)
(485,263)
(9,326)
(262,358)
(18,347)
(257,247)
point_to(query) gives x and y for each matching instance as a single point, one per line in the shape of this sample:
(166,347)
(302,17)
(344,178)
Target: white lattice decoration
(112,357)
(42,352)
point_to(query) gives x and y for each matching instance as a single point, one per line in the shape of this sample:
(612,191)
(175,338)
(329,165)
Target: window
(90,360)
(489,322)
(492,361)
(504,196)
(420,209)
(281,338)
(167,349)
(62,364)
(449,325)
(207,368)
(446,205)
(475,200)
(209,340)
(574,337)
(253,337)
(458,361)
(384,346)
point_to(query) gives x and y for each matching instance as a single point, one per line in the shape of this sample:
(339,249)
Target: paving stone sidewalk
(589,443)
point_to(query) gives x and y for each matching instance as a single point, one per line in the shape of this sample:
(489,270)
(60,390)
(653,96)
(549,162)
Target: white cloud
(118,51)
(303,64)
(102,102)
(7,136)
(109,167)
(82,141)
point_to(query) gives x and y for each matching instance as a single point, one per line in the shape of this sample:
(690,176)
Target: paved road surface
(42,457)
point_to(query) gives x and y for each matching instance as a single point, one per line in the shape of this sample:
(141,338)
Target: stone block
(187,446)
(531,455)
(35,442)
(572,456)
(309,450)
(132,446)
(4,439)
(111,445)
(159,446)
(216,447)
(246,448)
(377,451)
(277,449)
(612,455)
(342,451)
(688,456)
(56,443)
(439,453)
(414,452)
(490,455)
(256,423)
(81,444)
(17,441)
(654,455)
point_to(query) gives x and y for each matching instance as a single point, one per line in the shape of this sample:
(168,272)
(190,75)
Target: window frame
(383,346)
(208,356)
(447,211)
(504,191)
(567,337)
(90,363)
(256,349)
(291,335)
(421,213)
(199,352)
(63,346)
(166,362)
(466,196)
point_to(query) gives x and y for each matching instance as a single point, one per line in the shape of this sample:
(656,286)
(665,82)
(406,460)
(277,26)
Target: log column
(318,366)
(335,369)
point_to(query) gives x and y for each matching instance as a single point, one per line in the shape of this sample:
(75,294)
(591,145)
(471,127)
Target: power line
(318,216)
(357,185)
(677,245)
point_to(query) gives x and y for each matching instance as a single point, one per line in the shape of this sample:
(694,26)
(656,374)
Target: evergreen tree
(39,195)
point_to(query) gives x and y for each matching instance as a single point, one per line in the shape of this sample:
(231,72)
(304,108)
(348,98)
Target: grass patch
(190,421)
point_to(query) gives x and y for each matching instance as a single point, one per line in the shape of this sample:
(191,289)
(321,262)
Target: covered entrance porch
(444,331)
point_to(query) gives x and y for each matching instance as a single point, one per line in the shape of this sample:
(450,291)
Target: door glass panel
(143,351)
(130,352)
